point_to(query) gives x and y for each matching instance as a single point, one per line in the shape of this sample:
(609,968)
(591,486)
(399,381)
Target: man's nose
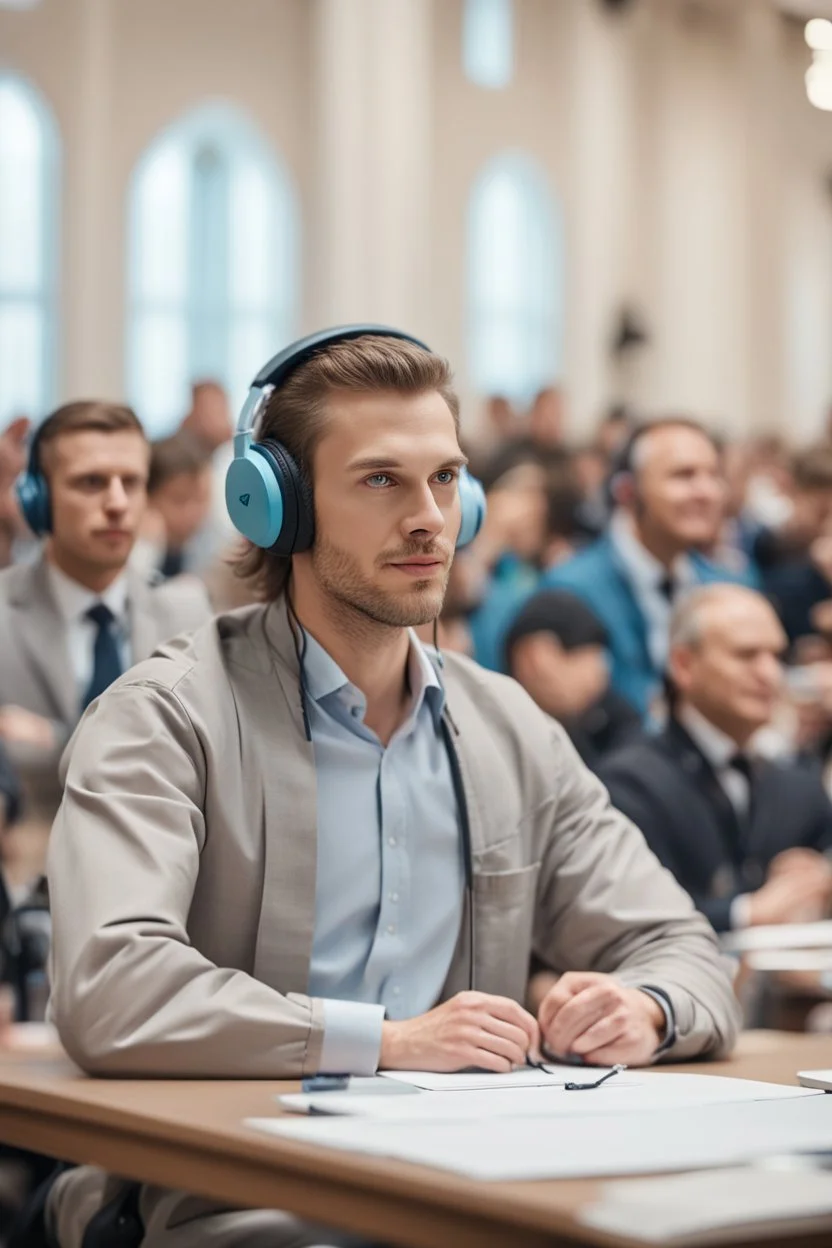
(116,499)
(425,515)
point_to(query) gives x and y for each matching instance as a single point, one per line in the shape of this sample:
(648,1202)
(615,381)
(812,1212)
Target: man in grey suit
(298,842)
(74,620)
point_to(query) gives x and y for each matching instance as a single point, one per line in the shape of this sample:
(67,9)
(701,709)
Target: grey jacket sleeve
(606,904)
(130,994)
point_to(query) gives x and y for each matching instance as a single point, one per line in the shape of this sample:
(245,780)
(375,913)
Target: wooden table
(190,1136)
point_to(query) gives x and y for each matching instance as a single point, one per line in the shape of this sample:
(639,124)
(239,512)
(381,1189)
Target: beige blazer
(182,866)
(35,669)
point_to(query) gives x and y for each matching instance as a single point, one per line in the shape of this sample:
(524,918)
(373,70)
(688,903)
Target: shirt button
(356,711)
(391,840)
(397,992)
(394,896)
(391,929)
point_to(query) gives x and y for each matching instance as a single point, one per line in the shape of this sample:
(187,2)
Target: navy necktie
(667,588)
(106,660)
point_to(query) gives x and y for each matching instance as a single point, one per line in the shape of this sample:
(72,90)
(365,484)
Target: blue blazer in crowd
(597,576)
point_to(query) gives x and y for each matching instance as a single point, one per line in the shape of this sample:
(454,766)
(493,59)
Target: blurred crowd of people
(664,594)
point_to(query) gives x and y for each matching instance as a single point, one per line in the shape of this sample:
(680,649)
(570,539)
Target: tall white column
(763,240)
(370,256)
(92,238)
(697,306)
(602,206)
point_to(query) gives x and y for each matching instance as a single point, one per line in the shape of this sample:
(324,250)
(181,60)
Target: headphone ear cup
(306,513)
(32,491)
(298,531)
(472,506)
(254,497)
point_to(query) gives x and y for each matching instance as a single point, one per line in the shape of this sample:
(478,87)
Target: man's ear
(623,490)
(679,666)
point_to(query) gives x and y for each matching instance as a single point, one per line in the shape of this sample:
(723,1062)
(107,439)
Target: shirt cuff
(669,1038)
(739,915)
(352,1037)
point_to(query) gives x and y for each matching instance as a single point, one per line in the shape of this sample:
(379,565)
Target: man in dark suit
(747,838)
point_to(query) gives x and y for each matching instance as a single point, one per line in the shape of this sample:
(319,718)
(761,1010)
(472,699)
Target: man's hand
(798,890)
(801,860)
(22,727)
(472,1029)
(13,452)
(597,1018)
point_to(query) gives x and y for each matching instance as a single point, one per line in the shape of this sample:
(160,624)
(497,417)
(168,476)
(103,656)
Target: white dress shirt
(73,602)
(646,577)
(719,749)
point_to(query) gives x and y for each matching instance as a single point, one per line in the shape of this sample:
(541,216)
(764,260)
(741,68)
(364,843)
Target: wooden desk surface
(190,1136)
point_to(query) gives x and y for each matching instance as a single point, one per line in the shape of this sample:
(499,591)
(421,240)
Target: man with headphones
(668,497)
(75,619)
(301,842)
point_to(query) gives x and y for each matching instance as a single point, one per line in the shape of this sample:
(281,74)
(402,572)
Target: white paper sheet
(780,936)
(528,1077)
(589,1145)
(637,1093)
(690,1208)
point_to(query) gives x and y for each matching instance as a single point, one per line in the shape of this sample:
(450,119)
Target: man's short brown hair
(176,456)
(812,468)
(82,415)
(296,415)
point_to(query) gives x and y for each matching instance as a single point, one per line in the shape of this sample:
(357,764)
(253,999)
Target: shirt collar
(325,679)
(643,567)
(717,748)
(74,600)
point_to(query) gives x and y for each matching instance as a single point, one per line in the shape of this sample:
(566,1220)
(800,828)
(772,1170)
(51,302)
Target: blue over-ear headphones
(32,490)
(268,497)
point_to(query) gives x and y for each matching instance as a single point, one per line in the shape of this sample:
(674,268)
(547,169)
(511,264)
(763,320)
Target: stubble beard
(342,579)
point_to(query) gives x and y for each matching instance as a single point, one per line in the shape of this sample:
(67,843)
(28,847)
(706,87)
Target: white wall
(691,172)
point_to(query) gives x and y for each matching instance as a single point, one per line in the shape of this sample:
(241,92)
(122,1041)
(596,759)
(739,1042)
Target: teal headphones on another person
(32,490)
(269,499)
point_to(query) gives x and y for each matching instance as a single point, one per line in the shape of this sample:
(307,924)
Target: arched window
(488,43)
(515,280)
(28,176)
(213,246)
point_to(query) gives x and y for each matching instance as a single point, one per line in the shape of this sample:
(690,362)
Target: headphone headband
(280,366)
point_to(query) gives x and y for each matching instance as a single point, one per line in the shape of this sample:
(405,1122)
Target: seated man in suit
(78,617)
(179,493)
(745,837)
(669,495)
(326,848)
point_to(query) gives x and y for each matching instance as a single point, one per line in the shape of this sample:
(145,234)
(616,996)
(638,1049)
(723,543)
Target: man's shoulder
(181,599)
(647,759)
(709,572)
(17,581)
(582,569)
(496,707)
(797,778)
(461,674)
(198,660)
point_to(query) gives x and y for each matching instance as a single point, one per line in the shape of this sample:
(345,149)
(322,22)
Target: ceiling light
(818,34)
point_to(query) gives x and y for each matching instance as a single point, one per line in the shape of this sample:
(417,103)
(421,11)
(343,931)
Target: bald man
(669,497)
(745,837)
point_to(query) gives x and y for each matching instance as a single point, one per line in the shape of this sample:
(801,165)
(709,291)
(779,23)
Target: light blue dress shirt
(390,873)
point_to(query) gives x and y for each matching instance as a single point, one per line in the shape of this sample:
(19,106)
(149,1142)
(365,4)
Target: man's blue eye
(378,480)
(446,476)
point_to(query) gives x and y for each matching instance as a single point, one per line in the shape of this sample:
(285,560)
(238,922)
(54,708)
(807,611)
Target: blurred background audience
(646,403)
